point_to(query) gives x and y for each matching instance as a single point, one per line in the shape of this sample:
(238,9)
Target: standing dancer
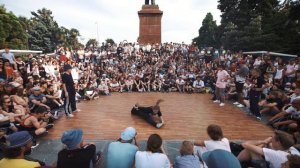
(151,114)
(222,76)
(68,91)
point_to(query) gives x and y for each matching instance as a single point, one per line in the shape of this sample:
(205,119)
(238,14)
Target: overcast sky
(118,19)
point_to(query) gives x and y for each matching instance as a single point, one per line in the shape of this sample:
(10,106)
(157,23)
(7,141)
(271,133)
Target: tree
(44,33)
(109,40)
(93,43)
(73,38)
(207,32)
(12,34)
(231,36)
(252,36)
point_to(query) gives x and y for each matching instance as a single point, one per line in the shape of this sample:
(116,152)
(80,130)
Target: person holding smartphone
(121,153)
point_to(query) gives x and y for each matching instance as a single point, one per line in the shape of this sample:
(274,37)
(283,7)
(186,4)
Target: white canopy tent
(21,52)
(270,53)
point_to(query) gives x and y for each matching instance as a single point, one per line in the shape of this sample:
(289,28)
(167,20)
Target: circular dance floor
(186,116)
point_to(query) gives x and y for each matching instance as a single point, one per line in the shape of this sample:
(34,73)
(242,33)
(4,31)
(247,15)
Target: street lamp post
(97,32)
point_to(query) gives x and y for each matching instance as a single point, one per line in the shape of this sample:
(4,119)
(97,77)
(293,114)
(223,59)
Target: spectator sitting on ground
(292,162)
(180,83)
(55,97)
(187,159)
(7,120)
(103,88)
(18,145)
(77,154)
(114,85)
(37,99)
(36,123)
(166,84)
(9,107)
(156,84)
(21,99)
(154,156)
(129,84)
(273,103)
(122,152)
(217,141)
(17,78)
(198,85)
(90,93)
(189,86)
(273,150)
(285,118)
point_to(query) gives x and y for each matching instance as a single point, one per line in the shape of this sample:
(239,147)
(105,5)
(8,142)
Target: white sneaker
(158,125)
(77,110)
(236,103)
(216,101)
(222,104)
(240,106)
(70,115)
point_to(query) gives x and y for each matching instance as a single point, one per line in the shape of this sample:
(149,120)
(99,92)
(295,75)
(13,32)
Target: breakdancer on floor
(151,114)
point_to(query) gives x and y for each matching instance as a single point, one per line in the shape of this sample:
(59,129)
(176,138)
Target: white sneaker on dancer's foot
(222,104)
(236,103)
(159,125)
(77,110)
(216,101)
(136,106)
(70,115)
(240,106)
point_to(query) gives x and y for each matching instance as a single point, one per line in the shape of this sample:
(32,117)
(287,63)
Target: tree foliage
(93,43)
(256,25)
(40,32)
(12,33)
(207,33)
(109,40)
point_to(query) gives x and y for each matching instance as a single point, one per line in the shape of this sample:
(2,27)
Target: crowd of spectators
(34,89)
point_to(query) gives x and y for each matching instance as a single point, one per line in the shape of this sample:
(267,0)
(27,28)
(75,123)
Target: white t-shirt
(278,74)
(276,158)
(291,68)
(211,145)
(114,84)
(257,63)
(144,159)
(180,82)
(198,84)
(75,74)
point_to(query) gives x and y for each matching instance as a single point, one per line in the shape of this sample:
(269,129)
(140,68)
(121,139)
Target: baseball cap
(18,139)
(128,134)
(72,138)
